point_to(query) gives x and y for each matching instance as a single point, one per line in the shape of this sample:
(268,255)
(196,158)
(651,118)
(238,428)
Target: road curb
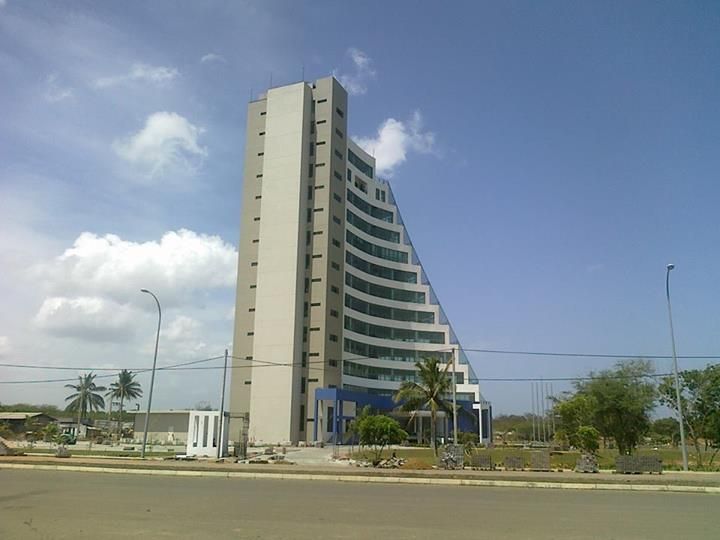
(373,479)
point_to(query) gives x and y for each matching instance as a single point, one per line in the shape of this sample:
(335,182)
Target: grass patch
(109,453)
(423,458)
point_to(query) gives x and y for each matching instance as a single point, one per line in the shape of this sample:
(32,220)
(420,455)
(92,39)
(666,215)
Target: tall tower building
(333,308)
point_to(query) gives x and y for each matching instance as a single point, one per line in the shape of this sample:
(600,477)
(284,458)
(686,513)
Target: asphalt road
(56,505)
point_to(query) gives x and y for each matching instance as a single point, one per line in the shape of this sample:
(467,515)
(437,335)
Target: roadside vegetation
(608,413)
(85,398)
(124,388)
(429,392)
(423,458)
(85,402)
(106,453)
(376,432)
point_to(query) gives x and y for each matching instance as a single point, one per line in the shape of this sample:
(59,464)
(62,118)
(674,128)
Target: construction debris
(266,459)
(389,463)
(6,449)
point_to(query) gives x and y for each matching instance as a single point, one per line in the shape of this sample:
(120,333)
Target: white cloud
(4,345)
(92,291)
(394,140)
(54,92)
(140,73)
(86,317)
(356,82)
(168,143)
(185,336)
(180,264)
(212,57)
(181,327)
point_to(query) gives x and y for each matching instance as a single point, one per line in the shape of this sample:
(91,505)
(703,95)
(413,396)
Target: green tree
(622,400)
(5,430)
(712,436)
(85,399)
(513,427)
(588,439)
(126,387)
(52,410)
(50,432)
(666,431)
(378,431)
(352,432)
(429,392)
(700,400)
(33,429)
(575,414)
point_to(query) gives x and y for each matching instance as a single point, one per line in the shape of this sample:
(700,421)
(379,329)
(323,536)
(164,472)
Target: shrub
(378,431)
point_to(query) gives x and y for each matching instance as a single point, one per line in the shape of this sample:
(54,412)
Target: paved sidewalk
(670,481)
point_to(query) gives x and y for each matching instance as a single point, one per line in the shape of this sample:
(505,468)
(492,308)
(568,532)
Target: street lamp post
(455,356)
(675,369)
(152,377)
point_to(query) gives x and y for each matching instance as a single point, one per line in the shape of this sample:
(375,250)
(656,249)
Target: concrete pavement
(670,481)
(59,505)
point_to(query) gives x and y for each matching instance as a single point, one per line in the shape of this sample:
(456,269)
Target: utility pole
(675,370)
(542,410)
(541,399)
(552,410)
(536,437)
(532,407)
(221,421)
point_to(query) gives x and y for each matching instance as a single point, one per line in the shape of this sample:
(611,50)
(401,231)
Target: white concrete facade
(278,304)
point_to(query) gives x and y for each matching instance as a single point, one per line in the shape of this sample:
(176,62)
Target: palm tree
(50,432)
(85,399)
(427,392)
(126,387)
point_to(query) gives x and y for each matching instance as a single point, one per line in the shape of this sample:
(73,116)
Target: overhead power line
(590,355)
(116,370)
(183,366)
(84,368)
(465,349)
(473,380)
(253,363)
(567,379)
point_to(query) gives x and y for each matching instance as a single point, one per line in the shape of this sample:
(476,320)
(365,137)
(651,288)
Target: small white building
(204,435)
(199,431)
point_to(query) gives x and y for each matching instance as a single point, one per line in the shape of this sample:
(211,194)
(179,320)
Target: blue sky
(549,160)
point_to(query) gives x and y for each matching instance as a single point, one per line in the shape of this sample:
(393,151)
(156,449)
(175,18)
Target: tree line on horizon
(615,407)
(612,406)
